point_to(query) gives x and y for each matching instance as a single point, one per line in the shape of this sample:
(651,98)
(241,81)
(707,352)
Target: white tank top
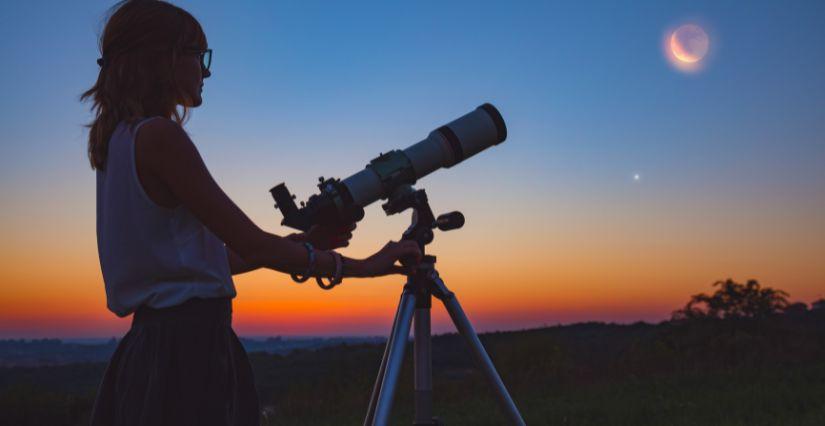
(151,255)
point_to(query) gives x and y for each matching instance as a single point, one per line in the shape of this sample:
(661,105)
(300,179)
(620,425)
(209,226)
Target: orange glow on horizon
(566,265)
(270,304)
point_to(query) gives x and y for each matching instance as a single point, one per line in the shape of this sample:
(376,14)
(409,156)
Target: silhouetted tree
(734,300)
(796,309)
(819,305)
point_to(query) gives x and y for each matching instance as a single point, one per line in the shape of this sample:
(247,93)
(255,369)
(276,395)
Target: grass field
(767,372)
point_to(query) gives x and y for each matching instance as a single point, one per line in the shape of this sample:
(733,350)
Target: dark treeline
(35,352)
(43,352)
(721,364)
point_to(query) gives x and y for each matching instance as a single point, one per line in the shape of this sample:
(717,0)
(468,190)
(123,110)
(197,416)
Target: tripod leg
(466,330)
(376,389)
(423,361)
(396,357)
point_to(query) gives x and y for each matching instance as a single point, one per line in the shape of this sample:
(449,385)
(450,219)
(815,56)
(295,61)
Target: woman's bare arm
(167,153)
(238,266)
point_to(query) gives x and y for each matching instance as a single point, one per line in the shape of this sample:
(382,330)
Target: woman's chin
(194,102)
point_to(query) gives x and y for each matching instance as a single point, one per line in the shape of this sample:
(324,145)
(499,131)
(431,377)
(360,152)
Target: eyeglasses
(205,57)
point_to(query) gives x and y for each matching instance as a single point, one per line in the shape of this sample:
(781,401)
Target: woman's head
(151,55)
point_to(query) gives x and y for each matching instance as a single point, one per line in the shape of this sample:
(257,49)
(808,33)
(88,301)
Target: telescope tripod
(416,303)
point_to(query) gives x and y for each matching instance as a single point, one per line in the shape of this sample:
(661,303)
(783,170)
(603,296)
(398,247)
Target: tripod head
(415,305)
(423,220)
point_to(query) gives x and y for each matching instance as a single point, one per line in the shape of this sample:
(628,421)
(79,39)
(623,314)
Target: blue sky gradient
(734,154)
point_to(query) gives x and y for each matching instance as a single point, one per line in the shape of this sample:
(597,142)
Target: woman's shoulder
(161,149)
(156,123)
(161,142)
(159,131)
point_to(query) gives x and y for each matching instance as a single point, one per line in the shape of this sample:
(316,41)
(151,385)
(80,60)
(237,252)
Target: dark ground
(702,372)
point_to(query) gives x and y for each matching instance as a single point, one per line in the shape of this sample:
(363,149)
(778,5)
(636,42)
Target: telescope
(341,202)
(391,176)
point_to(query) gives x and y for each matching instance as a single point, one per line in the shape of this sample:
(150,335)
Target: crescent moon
(679,51)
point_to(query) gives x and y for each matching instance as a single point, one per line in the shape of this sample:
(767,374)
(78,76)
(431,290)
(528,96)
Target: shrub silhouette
(796,309)
(734,300)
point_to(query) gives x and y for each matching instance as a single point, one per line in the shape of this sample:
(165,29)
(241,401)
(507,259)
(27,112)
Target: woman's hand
(325,237)
(383,262)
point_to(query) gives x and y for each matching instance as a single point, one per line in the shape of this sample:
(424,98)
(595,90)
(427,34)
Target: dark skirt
(181,365)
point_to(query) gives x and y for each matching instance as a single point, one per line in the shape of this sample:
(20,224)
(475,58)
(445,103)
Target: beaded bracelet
(335,279)
(310,269)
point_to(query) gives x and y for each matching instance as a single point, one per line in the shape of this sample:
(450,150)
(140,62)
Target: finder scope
(342,202)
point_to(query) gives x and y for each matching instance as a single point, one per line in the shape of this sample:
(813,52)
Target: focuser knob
(450,221)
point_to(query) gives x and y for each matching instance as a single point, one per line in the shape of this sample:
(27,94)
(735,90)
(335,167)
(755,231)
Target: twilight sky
(731,159)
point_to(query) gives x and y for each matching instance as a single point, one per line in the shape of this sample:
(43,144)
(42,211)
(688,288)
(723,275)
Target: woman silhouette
(169,239)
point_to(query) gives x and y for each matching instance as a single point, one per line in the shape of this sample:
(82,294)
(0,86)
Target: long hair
(139,48)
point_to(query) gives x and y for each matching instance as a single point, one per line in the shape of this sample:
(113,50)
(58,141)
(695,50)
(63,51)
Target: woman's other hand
(384,261)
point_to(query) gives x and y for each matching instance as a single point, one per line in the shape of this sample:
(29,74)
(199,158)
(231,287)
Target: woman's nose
(206,73)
